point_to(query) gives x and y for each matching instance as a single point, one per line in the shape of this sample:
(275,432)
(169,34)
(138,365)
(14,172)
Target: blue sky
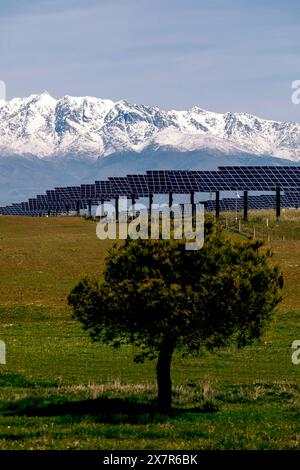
(221,55)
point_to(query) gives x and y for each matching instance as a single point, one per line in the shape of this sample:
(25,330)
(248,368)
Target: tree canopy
(162,297)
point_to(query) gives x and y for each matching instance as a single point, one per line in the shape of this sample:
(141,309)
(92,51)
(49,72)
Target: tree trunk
(163,373)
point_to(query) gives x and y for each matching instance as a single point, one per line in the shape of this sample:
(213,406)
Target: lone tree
(161,297)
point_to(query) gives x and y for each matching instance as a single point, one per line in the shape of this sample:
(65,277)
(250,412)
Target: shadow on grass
(100,410)
(12,379)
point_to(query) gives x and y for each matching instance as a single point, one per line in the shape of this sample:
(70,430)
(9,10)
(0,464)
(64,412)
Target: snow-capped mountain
(44,127)
(46,142)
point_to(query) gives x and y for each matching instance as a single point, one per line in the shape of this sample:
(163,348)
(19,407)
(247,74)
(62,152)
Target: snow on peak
(46,127)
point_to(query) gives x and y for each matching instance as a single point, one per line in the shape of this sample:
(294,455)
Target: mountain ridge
(92,128)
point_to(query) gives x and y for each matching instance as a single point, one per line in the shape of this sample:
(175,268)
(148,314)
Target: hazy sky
(222,55)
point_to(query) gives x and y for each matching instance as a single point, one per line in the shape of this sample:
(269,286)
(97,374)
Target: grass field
(60,391)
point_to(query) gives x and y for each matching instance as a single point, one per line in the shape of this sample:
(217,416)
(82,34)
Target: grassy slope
(58,390)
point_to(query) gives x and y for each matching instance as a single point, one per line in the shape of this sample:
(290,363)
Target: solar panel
(68,193)
(51,202)
(138,185)
(119,186)
(181,181)
(158,182)
(206,181)
(261,178)
(184,181)
(73,192)
(88,192)
(103,190)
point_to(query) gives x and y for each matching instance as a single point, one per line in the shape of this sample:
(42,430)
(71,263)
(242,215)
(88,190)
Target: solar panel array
(263,201)
(255,178)
(226,178)
(264,178)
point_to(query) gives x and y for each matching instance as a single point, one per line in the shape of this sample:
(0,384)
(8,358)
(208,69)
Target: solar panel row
(226,178)
(255,202)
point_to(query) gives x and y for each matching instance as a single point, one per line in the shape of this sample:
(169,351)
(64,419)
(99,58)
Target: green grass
(61,391)
(259,416)
(265,224)
(41,259)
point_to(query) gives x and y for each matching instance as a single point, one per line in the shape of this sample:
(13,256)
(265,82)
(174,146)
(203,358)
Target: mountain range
(46,142)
